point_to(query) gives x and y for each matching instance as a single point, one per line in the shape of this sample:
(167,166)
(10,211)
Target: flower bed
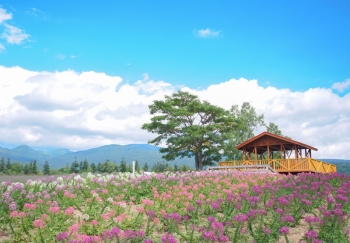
(216,206)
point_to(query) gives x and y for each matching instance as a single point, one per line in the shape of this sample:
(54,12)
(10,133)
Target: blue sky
(295,44)
(81,74)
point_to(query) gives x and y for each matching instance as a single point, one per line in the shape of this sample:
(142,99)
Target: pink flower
(69,211)
(105,216)
(94,222)
(120,218)
(13,214)
(21,215)
(54,210)
(29,206)
(73,229)
(44,216)
(148,202)
(39,223)
(141,209)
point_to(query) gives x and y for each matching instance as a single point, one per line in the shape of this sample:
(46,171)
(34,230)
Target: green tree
(93,167)
(100,167)
(81,166)
(85,165)
(129,168)
(273,128)
(2,165)
(34,168)
(26,169)
(17,168)
(160,167)
(145,167)
(30,167)
(190,128)
(66,169)
(123,166)
(8,164)
(248,121)
(74,168)
(137,167)
(109,166)
(46,169)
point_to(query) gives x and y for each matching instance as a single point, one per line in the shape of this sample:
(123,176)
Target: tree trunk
(196,161)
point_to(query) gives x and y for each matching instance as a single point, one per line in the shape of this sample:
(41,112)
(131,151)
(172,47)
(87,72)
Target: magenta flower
(241,218)
(284,230)
(62,236)
(168,238)
(311,234)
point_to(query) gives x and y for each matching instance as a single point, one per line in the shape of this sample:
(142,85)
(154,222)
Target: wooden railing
(288,165)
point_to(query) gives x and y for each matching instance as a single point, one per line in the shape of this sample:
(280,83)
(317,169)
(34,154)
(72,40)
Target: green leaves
(189,127)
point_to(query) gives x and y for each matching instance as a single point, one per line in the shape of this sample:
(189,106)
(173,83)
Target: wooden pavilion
(282,154)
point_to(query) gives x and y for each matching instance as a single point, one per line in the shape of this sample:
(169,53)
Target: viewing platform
(282,154)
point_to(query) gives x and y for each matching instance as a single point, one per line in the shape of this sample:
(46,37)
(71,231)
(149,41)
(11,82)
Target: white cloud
(60,57)
(4,16)
(341,86)
(205,33)
(2,48)
(14,35)
(84,110)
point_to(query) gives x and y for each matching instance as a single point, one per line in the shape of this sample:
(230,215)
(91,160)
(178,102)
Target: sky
(81,74)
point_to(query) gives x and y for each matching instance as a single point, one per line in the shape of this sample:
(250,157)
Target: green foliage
(74,168)
(8,164)
(145,167)
(248,121)
(26,169)
(160,167)
(17,168)
(46,169)
(137,166)
(85,166)
(34,168)
(2,165)
(123,166)
(93,167)
(190,128)
(273,128)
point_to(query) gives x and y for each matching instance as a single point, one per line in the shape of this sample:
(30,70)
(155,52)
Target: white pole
(133,167)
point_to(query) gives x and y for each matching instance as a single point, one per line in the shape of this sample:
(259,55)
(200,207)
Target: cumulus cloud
(205,33)
(84,110)
(341,86)
(4,15)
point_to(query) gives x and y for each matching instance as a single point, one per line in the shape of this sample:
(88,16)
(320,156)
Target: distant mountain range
(141,152)
(59,158)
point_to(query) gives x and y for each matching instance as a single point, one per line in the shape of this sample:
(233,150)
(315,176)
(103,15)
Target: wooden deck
(288,165)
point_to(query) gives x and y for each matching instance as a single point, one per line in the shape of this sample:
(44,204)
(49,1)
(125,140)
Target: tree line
(16,168)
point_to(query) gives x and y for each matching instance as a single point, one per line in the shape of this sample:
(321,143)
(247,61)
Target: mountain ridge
(143,153)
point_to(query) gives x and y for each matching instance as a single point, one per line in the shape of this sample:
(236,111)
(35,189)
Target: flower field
(216,206)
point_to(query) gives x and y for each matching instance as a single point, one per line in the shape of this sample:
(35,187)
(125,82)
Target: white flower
(85,217)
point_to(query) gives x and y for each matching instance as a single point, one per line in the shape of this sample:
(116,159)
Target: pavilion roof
(272,140)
